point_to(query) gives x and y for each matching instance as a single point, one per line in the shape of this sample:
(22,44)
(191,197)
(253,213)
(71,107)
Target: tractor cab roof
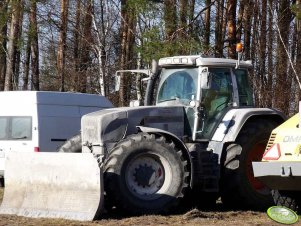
(198,60)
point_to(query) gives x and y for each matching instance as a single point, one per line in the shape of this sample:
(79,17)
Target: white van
(42,121)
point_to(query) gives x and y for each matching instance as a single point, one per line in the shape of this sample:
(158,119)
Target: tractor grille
(271,141)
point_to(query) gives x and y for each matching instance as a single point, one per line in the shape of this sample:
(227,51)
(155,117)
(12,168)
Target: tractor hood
(101,130)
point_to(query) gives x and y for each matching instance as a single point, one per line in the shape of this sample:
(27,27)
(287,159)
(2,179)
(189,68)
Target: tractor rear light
(239,47)
(273,153)
(36,149)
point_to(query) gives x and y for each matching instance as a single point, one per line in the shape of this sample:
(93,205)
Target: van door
(15,135)
(3,136)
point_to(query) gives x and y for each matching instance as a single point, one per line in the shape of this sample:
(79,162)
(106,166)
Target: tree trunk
(35,72)
(61,53)
(231,15)
(138,79)
(12,44)
(27,63)
(253,50)
(76,52)
(86,48)
(191,7)
(170,18)
(101,52)
(183,24)
(240,20)
(292,85)
(270,49)
(207,26)
(3,36)
(247,24)
(127,41)
(282,80)
(123,82)
(17,56)
(262,53)
(298,58)
(219,33)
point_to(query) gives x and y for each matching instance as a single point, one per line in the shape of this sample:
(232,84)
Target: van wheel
(73,145)
(239,187)
(145,174)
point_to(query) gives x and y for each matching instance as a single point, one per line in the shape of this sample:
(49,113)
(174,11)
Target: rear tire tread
(236,191)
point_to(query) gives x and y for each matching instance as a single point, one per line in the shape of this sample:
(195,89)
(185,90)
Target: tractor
(197,133)
(194,140)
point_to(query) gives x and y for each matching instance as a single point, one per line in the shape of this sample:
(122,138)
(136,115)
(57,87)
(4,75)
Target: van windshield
(15,128)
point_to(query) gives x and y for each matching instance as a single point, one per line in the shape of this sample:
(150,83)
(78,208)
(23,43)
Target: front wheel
(239,187)
(145,173)
(73,145)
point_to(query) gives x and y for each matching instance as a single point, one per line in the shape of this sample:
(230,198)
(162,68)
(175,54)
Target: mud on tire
(145,173)
(239,188)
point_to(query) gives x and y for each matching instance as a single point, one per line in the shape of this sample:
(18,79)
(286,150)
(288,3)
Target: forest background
(77,45)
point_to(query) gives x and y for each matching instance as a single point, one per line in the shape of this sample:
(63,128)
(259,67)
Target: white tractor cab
(37,121)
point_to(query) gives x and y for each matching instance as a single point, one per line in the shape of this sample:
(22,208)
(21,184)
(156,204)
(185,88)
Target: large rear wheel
(144,174)
(239,187)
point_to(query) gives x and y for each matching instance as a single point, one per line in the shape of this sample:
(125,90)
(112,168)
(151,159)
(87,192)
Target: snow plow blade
(53,185)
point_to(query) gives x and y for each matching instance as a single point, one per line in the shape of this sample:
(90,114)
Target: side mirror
(137,71)
(117,81)
(154,69)
(205,78)
(135,103)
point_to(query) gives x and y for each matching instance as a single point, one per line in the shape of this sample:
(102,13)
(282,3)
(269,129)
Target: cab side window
(220,94)
(244,89)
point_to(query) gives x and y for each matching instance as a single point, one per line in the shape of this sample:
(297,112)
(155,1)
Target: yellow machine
(280,167)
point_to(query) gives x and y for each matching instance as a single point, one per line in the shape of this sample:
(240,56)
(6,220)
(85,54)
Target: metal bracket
(286,172)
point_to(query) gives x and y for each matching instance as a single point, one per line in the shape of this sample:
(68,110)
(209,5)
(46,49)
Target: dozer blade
(53,185)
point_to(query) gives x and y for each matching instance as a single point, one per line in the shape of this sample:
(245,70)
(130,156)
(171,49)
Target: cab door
(216,101)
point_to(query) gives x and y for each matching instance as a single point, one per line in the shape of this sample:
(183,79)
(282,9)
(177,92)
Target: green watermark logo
(282,215)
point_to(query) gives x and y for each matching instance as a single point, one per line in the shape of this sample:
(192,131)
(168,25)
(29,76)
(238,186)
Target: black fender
(179,143)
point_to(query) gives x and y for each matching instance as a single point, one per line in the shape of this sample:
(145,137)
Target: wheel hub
(145,175)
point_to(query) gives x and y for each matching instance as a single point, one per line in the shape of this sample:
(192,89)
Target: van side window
(15,128)
(3,127)
(21,128)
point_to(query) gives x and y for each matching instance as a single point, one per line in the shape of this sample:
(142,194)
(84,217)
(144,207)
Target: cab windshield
(178,84)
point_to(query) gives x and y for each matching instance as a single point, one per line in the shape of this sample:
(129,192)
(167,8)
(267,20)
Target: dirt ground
(192,217)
